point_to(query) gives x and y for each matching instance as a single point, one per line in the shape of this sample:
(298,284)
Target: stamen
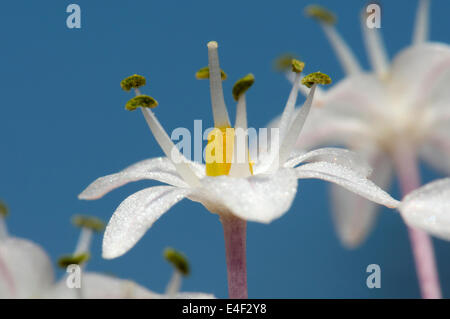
(297,66)
(421,28)
(3,213)
(170,150)
(133,82)
(242,85)
(375,48)
(220,113)
(321,14)
(327,20)
(203,74)
(177,260)
(283,63)
(67,260)
(288,143)
(316,78)
(84,241)
(241,168)
(286,117)
(141,101)
(89,222)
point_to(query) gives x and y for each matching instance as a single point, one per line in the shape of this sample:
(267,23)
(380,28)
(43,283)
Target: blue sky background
(63,124)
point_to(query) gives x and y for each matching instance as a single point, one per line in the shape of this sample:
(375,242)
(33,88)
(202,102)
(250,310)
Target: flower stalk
(235,231)
(422,247)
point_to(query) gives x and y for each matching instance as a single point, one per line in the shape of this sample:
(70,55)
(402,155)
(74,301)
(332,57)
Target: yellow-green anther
(284,62)
(297,66)
(90,222)
(67,260)
(141,101)
(316,78)
(133,82)
(242,85)
(321,14)
(4,211)
(178,260)
(203,74)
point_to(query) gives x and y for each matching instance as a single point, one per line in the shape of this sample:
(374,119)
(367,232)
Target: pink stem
(421,244)
(234,230)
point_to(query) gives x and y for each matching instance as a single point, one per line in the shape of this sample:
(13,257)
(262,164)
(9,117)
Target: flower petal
(348,179)
(428,208)
(436,151)
(135,215)
(339,156)
(25,269)
(99,286)
(259,198)
(354,216)
(417,71)
(160,169)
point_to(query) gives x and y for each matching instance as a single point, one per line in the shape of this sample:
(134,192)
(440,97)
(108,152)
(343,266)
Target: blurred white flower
(398,108)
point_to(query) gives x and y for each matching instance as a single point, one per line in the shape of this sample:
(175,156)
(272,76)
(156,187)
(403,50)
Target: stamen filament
(421,28)
(174,285)
(290,106)
(3,229)
(219,108)
(346,57)
(240,168)
(168,147)
(375,49)
(296,127)
(84,241)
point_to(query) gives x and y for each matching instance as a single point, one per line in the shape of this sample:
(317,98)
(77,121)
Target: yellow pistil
(219,151)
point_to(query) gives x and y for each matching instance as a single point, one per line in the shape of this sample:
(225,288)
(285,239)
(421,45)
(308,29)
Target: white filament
(219,108)
(375,49)
(174,285)
(421,25)
(240,167)
(345,56)
(3,229)
(84,241)
(288,142)
(288,111)
(169,148)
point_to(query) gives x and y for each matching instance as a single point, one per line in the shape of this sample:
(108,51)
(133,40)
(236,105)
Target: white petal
(340,156)
(348,179)
(135,215)
(99,286)
(436,151)
(260,198)
(160,169)
(354,216)
(25,269)
(416,71)
(428,208)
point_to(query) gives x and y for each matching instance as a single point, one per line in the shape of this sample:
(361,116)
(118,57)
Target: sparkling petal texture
(135,215)
(354,216)
(99,286)
(260,198)
(428,208)
(343,157)
(25,269)
(160,169)
(348,179)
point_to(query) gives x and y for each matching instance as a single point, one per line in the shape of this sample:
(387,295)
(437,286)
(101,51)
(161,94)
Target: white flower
(260,192)
(398,109)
